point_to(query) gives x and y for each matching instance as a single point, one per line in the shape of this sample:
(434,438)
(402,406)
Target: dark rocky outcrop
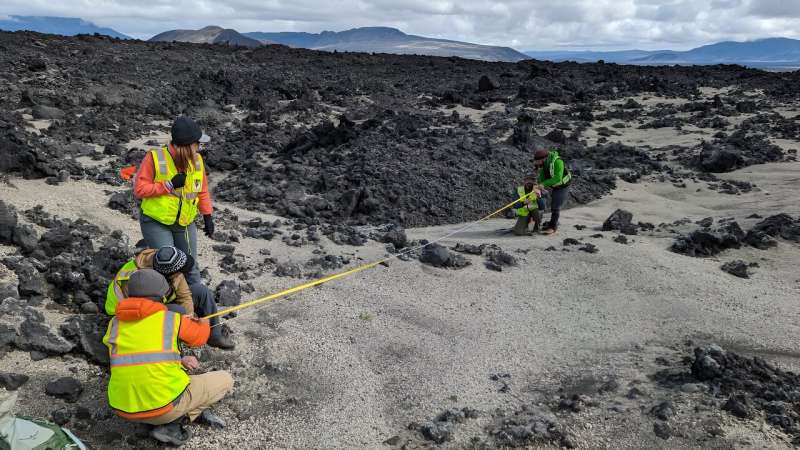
(23,327)
(439,256)
(780,225)
(620,220)
(709,242)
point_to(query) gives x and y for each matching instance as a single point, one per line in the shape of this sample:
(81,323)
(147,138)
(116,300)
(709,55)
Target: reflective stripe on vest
(162,160)
(147,358)
(146,372)
(180,205)
(566,176)
(115,292)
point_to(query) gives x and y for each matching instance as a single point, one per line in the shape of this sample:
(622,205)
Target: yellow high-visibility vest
(114,292)
(116,289)
(180,205)
(565,178)
(529,202)
(146,372)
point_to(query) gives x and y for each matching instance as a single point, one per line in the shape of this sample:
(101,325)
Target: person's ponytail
(184,157)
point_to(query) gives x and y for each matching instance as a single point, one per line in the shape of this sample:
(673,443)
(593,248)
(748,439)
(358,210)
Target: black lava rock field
(355,138)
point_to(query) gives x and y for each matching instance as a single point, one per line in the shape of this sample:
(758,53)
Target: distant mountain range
(772,52)
(388,40)
(66,26)
(207,35)
(765,53)
(622,56)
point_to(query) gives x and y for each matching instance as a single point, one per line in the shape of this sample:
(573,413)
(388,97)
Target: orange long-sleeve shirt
(145,185)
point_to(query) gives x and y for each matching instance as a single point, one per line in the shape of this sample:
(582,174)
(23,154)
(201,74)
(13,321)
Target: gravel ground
(352,363)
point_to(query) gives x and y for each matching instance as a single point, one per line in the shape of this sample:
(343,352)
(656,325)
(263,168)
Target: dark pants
(157,235)
(204,305)
(558,198)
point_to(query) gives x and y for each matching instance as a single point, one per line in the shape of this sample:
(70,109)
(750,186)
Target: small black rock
(67,388)
(662,430)
(736,268)
(12,381)
(663,410)
(61,416)
(438,432)
(394,440)
(491,265)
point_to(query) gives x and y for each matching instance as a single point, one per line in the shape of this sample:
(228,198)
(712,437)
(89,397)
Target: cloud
(775,8)
(526,24)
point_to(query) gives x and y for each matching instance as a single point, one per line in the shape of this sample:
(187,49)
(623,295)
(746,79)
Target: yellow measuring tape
(335,276)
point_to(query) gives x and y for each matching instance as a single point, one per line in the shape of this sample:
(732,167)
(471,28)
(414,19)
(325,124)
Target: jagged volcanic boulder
(779,225)
(31,283)
(740,149)
(736,268)
(620,220)
(86,333)
(705,242)
(24,327)
(746,385)
(439,256)
(67,388)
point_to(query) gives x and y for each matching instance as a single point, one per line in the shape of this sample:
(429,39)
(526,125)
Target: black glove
(178,180)
(209,230)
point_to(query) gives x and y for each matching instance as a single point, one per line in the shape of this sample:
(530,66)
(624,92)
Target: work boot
(221,339)
(171,433)
(211,419)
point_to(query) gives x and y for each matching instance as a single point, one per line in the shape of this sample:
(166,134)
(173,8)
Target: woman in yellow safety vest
(173,187)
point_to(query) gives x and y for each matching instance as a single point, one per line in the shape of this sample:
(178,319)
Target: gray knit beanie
(169,260)
(147,283)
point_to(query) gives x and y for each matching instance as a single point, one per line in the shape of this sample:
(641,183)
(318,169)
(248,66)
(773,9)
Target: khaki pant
(203,391)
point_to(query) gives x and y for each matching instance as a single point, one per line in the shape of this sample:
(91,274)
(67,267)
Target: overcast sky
(522,24)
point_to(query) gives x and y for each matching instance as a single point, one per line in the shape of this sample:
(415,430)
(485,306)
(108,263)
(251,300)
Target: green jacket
(554,172)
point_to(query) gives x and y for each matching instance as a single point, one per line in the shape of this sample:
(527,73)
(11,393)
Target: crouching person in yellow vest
(174,264)
(529,208)
(149,381)
(179,293)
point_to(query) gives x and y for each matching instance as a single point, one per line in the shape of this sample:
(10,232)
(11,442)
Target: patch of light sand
(788,112)
(688,136)
(36,125)
(709,91)
(550,107)
(786,144)
(475,115)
